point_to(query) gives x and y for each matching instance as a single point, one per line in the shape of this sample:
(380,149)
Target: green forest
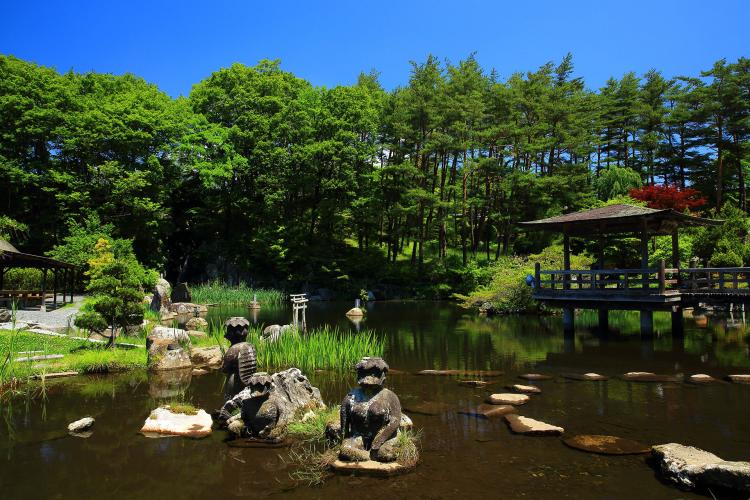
(259,176)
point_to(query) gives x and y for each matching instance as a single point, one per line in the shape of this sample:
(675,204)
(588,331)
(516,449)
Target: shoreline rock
(691,467)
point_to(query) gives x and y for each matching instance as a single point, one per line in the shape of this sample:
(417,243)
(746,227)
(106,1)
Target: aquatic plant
(407,447)
(217,292)
(311,465)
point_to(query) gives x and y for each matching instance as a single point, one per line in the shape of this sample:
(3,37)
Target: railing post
(662,277)
(537,275)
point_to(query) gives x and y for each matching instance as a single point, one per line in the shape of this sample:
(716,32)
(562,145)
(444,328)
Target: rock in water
(701,378)
(508,399)
(525,389)
(81,425)
(163,422)
(294,392)
(691,467)
(355,312)
(181,293)
(739,379)
(196,324)
(606,445)
(206,356)
(490,411)
(594,377)
(160,300)
(531,427)
(474,383)
(648,377)
(169,384)
(535,376)
(369,468)
(166,354)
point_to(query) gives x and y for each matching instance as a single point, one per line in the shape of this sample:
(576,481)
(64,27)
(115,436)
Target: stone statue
(259,412)
(370,416)
(239,361)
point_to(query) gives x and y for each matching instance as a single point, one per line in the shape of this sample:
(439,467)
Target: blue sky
(176,44)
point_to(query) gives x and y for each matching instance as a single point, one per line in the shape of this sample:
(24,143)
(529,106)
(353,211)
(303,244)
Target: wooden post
(662,277)
(678,329)
(43,307)
(675,249)
(54,289)
(566,261)
(2,278)
(644,255)
(647,323)
(537,275)
(568,320)
(603,320)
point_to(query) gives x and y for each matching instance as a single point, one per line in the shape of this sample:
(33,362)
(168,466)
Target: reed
(217,292)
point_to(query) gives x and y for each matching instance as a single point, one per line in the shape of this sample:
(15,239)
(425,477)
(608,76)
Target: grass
(216,292)
(322,348)
(182,407)
(313,429)
(407,447)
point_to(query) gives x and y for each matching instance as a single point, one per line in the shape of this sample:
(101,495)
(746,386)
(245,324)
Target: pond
(462,456)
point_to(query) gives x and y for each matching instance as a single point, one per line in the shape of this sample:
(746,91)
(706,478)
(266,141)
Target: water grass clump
(217,292)
(322,348)
(313,429)
(407,447)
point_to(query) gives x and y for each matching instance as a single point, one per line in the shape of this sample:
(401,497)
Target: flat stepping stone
(466,373)
(507,398)
(739,379)
(535,376)
(489,411)
(606,445)
(39,358)
(474,383)
(162,422)
(594,377)
(44,376)
(530,427)
(369,468)
(648,377)
(525,389)
(701,378)
(429,408)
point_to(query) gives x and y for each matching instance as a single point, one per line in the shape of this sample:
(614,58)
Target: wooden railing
(645,281)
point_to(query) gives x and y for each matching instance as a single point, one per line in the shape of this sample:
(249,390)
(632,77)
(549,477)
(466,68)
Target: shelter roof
(11,257)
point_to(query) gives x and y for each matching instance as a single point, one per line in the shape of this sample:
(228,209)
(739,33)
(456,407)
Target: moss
(182,407)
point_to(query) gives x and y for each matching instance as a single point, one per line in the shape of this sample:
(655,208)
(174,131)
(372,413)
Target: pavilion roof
(11,257)
(619,218)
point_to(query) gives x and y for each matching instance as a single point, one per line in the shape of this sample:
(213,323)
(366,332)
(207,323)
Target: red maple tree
(669,196)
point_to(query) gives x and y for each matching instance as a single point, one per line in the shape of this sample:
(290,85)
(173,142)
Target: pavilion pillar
(678,327)
(54,288)
(568,321)
(644,254)
(43,307)
(2,278)
(566,260)
(647,323)
(603,320)
(675,249)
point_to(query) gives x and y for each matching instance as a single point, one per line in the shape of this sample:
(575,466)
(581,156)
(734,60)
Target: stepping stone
(595,377)
(39,358)
(525,389)
(44,376)
(369,468)
(739,379)
(530,427)
(429,408)
(606,445)
(474,383)
(163,422)
(648,377)
(467,373)
(535,376)
(508,399)
(701,378)
(489,411)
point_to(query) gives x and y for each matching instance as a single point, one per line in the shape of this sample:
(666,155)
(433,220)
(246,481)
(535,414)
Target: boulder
(272,333)
(595,377)
(606,445)
(531,427)
(508,399)
(5,315)
(196,324)
(293,392)
(490,411)
(649,377)
(177,335)
(196,333)
(355,312)
(739,379)
(188,308)
(167,354)
(369,468)
(81,425)
(163,422)
(160,299)
(181,293)
(207,356)
(525,389)
(535,376)
(691,467)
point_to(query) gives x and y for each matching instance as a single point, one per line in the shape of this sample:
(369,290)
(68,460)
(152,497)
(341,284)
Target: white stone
(81,425)
(526,389)
(508,399)
(163,422)
(690,467)
(531,427)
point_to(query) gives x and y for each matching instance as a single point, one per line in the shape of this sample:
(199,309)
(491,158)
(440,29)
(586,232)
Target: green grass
(319,349)
(314,429)
(216,292)
(182,407)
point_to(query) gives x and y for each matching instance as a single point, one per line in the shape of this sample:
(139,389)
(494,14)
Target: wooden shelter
(644,288)
(64,276)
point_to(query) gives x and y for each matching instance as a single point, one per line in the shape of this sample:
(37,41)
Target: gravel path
(56,319)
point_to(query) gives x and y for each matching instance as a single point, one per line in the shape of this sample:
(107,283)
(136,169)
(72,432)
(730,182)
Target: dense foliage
(259,175)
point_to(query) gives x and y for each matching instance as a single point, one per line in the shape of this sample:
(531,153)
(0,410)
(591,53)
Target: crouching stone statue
(258,409)
(239,360)
(370,416)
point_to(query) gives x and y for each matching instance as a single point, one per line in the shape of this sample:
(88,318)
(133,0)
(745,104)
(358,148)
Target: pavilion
(64,276)
(644,289)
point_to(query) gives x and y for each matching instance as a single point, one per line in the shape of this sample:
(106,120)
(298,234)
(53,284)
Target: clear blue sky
(176,44)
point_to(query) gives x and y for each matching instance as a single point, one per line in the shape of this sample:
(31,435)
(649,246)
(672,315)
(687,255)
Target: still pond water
(462,456)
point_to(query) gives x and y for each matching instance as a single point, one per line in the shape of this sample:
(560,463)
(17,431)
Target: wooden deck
(644,289)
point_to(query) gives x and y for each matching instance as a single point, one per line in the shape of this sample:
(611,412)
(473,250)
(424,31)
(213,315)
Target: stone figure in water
(239,360)
(258,409)
(370,416)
